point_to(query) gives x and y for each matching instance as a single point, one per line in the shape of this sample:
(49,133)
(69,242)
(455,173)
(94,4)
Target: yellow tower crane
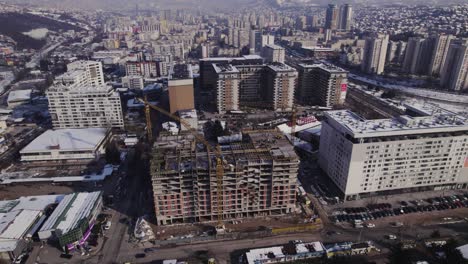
(209,148)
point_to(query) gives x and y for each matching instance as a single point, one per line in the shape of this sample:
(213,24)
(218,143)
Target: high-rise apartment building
(82,73)
(208,74)
(418,55)
(384,156)
(331,17)
(322,84)
(255,41)
(227,90)
(280,83)
(259,179)
(375,51)
(81,106)
(345,17)
(147,69)
(273,53)
(80,99)
(454,75)
(268,40)
(441,47)
(250,86)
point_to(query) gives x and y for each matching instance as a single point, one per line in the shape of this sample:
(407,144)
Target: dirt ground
(244,225)
(9,192)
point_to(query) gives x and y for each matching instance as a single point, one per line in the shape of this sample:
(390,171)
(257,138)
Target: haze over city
(240,132)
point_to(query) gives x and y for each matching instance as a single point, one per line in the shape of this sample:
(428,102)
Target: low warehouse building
(67,144)
(72,221)
(20,220)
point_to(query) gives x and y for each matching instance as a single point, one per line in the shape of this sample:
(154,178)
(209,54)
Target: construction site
(249,176)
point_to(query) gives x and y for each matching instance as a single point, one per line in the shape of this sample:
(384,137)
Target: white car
(391,237)
(108,225)
(370,225)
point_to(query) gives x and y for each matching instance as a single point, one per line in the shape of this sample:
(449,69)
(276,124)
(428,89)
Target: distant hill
(14,24)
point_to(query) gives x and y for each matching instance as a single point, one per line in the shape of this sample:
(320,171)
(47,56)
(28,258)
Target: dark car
(140,255)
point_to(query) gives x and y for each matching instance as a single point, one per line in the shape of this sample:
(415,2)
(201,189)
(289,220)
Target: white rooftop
(263,254)
(69,139)
(19,95)
(18,217)
(309,247)
(225,68)
(464,250)
(70,211)
(358,126)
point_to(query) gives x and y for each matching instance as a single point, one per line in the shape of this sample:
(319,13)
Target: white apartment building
(273,53)
(82,73)
(133,82)
(368,157)
(147,69)
(81,106)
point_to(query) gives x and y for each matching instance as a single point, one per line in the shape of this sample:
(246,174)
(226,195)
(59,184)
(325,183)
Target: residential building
(454,75)
(418,55)
(321,84)
(147,69)
(227,87)
(268,40)
(426,151)
(439,54)
(133,82)
(375,51)
(82,73)
(280,83)
(77,106)
(345,18)
(331,17)
(259,179)
(255,41)
(273,53)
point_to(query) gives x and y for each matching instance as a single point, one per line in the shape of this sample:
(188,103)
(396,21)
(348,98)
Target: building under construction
(260,174)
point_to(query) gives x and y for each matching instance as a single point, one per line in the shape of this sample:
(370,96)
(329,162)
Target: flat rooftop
(245,57)
(225,68)
(280,67)
(180,72)
(360,127)
(73,208)
(79,88)
(324,66)
(70,139)
(273,46)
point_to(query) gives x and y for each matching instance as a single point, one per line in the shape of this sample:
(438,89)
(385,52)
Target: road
(132,184)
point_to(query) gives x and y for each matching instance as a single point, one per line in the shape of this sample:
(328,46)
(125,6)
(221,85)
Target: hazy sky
(126,5)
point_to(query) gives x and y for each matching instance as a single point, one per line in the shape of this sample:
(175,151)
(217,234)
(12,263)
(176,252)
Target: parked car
(391,237)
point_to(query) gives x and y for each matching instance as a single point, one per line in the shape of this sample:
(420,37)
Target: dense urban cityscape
(241,132)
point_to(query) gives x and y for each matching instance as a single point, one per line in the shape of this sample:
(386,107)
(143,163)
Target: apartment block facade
(82,73)
(385,156)
(260,175)
(77,106)
(322,84)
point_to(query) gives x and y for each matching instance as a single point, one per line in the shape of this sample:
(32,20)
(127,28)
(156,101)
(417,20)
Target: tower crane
(209,148)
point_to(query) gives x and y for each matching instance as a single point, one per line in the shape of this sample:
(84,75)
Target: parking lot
(452,206)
